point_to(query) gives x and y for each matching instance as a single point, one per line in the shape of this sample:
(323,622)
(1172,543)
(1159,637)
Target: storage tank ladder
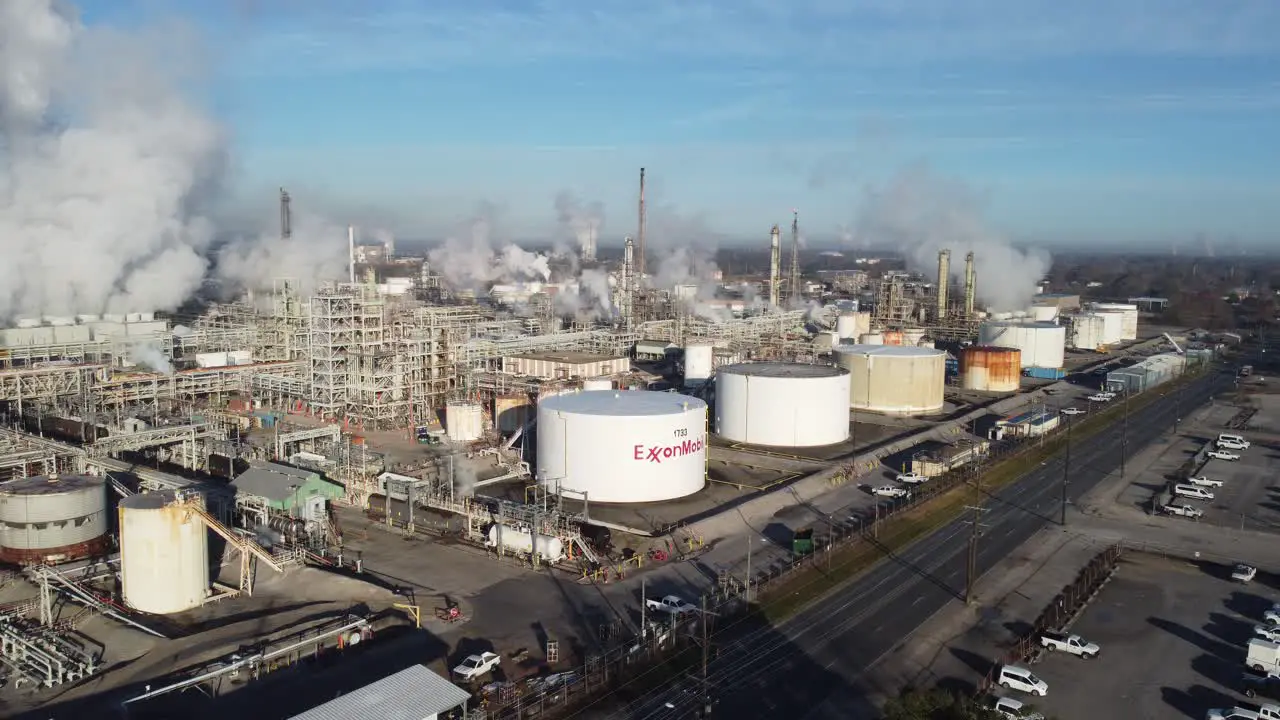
(246,546)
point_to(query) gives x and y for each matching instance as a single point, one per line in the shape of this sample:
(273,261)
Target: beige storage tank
(512,412)
(894,380)
(164,552)
(1129,317)
(852,325)
(597,384)
(874,338)
(53,519)
(464,422)
(912,337)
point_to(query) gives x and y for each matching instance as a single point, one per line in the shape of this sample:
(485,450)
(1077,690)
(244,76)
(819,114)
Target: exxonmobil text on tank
(618,446)
(657,453)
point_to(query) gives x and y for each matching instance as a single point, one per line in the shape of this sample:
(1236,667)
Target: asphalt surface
(808,667)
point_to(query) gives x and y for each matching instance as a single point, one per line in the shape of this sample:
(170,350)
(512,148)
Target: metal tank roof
(149,500)
(784,370)
(50,484)
(890,350)
(622,403)
(1022,323)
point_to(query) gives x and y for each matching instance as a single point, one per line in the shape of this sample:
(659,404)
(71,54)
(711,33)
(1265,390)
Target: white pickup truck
(1073,644)
(1245,711)
(671,604)
(1184,510)
(476,666)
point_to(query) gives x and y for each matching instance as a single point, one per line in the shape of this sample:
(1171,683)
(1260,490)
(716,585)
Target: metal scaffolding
(332,341)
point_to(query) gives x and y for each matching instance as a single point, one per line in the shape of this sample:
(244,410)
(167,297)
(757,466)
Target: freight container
(1044,373)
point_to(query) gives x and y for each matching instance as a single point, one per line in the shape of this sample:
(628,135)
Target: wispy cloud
(821,33)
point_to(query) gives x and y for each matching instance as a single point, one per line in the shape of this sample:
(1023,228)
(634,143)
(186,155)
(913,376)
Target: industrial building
(894,380)
(782,404)
(1147,373)
(562,366)
(934,458)
(1032,423)
(414,693)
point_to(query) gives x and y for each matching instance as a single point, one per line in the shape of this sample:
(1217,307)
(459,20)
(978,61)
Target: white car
(1014,677)
(1072,411)
(1011,709)
(1244,573)
(1187,511)
(1245,712)
(1099,397)
(1270,633)
(1204,481)
(1222,455)
(1272,617)
(891,491)
(912,478)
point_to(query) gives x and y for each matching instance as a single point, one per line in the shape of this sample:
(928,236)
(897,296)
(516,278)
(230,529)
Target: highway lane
(809,666)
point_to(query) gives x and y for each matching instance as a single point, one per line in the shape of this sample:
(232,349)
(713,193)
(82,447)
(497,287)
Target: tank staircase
(246,546)
(51,580)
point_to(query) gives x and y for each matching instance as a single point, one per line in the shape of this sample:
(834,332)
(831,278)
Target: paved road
(809,666)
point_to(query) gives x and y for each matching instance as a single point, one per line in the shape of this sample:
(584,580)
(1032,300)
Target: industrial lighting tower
(286,216)
(793,283)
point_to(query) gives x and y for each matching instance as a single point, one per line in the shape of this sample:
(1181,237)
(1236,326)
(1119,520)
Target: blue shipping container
(1044,373)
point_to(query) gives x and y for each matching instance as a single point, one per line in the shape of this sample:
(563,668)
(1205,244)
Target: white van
(1232,442)
(1018,678)
(1192,491)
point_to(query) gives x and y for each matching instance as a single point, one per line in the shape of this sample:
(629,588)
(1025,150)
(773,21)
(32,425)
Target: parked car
(1015,677)
(1099,397)
(1223,455)
(1272,616)
(1184,510)
(1270,633)
(891,491)
(1245,711)
(1192,491)
(1253,682)
(1010,709)
(1073,644)
(912,478)
(1204,481)
(1230,445)
(1244,573)
(670,604)
(1072,411)
(1226,439)
(476,666)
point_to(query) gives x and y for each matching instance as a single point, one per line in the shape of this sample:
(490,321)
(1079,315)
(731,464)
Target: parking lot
(1172,634)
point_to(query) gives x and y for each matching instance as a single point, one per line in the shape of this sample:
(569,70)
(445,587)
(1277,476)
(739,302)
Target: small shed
(414,693)
(655,349)
(287,489)
(933,458)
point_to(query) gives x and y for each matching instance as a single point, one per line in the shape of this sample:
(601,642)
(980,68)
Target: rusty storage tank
(53,518)
(892,337)
(990,369)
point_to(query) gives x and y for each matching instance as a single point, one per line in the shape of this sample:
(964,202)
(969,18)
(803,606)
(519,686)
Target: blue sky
(1083,121)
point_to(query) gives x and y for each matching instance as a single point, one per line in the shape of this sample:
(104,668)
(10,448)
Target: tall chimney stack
(970,285)
(944,279)
(775,265)
(640,234)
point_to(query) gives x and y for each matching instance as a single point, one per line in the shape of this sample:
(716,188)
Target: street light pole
(1124,435)
(1066,474)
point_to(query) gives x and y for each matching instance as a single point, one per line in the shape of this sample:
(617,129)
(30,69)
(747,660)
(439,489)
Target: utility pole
(971,574)
(1124,434)
(1066,474)
(706,661)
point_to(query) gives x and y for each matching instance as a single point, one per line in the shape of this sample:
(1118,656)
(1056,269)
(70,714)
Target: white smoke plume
(582,221)
(922,214)
(588,296)
(316,251)
(150,355)
(472,263)
(105,165)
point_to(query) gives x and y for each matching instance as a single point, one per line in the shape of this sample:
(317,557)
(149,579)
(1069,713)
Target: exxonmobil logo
(658,453)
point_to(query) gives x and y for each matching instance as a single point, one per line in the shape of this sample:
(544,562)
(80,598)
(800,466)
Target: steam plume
(582,221)
(105,167)
(316,251)
(471,263)
(923,214)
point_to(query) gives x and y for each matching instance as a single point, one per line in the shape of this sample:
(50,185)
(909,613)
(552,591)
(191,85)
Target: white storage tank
(1087,332)
(852,325)
(782,404)
(871,339)
(212,360)
(164,552)
(26,323)
(622,446)
(1044,313)
(521,540)
(912,337)
(597,384)
(52,519)
(1043,345)
(894,379)
(464,422)
(1129,317)
(1112,330)
(698,363)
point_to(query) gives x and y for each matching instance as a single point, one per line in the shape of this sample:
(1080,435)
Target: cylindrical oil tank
(622,446)
(1044,313)
(894,380)
(597,384)
(874,338)
(852,325)
(464,422)
(991,369)
(698,363)
(1042,344)
(516,539)
(782,404)
(1087,332)
(164,552)
(892,337)
(1129,313)
(1112,332)
(52,519)
(912,337)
